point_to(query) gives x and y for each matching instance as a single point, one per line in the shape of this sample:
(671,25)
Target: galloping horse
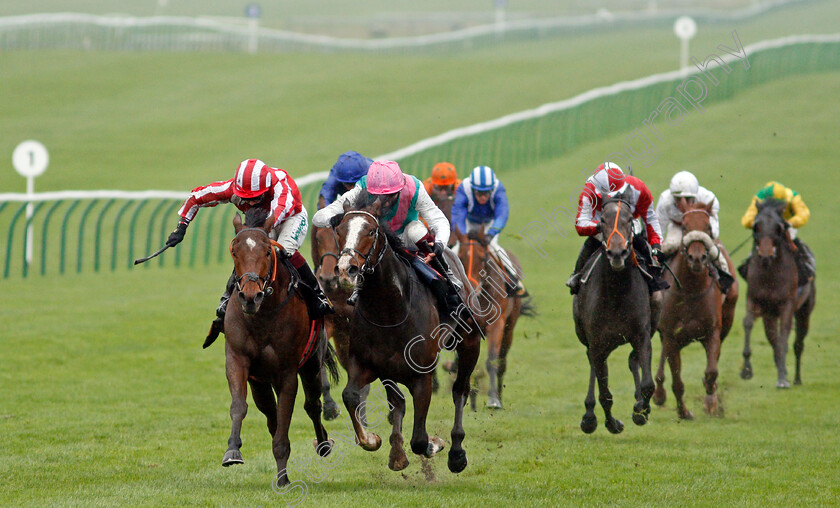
(611,309)
(774,292)
(695,310)
(488,279)
(269,341)
(395,335)
(325,259)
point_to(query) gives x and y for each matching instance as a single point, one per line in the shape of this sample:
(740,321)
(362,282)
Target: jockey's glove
(178,235)
(493,232)
(656,252)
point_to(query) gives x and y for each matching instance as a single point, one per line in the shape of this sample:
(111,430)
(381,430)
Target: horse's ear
(237,222)
(708,207)
(376,207)
(347,205)
(269,223)
(458,234)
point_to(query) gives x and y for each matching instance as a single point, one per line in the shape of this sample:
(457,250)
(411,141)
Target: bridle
(469,267)
(270,277)
(684,246)
(627,241)
(330,253)
(366,267)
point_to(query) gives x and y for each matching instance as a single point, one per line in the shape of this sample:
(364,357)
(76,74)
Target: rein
(333,254)
(271,276)
(615,230)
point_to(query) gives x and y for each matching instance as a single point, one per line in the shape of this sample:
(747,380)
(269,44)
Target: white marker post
(685,28)
(30,159)
(253,12)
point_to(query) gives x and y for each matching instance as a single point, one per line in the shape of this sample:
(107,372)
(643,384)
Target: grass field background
(108,399)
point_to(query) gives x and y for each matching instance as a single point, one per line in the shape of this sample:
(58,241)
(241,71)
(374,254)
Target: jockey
(404,203)
(684,186)
(609,180)
(344,174)
(256,185)
(443,175)
(796,214)
(481,202)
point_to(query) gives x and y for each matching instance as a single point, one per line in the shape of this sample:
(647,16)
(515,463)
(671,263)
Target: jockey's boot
(218,324)
(724,279)
(589,247)
(313,293)
(806,264)
(445,292)
(742,268)
(444,269)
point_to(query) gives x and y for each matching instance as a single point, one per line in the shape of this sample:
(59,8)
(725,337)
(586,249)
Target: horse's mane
(255,217)
(771,206)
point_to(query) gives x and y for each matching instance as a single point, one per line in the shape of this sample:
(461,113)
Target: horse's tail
(329,356)
(528,308)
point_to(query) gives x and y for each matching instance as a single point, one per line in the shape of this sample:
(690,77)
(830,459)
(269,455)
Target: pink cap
(385,177)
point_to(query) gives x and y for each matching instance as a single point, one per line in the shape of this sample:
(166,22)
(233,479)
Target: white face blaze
(354,232)
(251,243)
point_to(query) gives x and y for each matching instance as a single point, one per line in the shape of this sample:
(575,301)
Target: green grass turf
(109,400)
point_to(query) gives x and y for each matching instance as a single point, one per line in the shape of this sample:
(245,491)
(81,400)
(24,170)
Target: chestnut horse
(394,334)
(613,308)
(487,276)
(774,292)
(695,310)
(269,341)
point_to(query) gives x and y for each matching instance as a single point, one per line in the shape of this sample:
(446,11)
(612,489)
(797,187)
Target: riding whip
(740,245)
(143,260)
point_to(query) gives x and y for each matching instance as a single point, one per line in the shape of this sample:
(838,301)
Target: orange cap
(443,173)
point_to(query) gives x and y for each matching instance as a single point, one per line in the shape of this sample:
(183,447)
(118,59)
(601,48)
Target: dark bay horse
(774,292)
(488,278)
(444,197)
(269,341)
(613,308)
(325,260)
(694,310)
(395,335)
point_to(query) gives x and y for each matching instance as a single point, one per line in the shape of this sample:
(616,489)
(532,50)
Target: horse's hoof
(232,457)
(494,403)
(783,384)
(373,443)
(457,460)
(685,414)
(614,425)
(589,423)
(397,461)
(436,445)
(640,417)
(746,373)
(331,411)
(797,381)
(325,448)
(659,396)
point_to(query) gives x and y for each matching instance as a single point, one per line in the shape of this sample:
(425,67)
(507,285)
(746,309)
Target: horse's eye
(371,232)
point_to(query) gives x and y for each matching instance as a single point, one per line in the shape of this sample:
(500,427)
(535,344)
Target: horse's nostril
(353,270)
(336,271)
(624,252)
(258,298)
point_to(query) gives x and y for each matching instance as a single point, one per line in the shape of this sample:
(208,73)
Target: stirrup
(454,280)
(573,283)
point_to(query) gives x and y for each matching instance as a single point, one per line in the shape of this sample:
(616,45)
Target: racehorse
(325,259)
(269,341)
(611,309)
(774,292)
(395,335)
(487,276)
(694,310)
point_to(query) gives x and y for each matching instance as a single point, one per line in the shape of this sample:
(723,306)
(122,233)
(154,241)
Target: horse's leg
(397,460)
(266,402)
(285,385)
(310,377)
(421,391)
(494,334)
(780,348)
(589,422)
(331,409)
(357,379)
(712,345)
(640,357)
(507,341)
(599,361)
(749,321)
(672,351)
(659,394)
(803,319)
(236,370)
(468,351)
(731,298)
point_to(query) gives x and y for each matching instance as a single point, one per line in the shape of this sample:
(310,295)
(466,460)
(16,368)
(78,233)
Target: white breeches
(413,232)
(291,232)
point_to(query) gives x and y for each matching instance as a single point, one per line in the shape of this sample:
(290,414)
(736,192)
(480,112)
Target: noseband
(628,242)
(330,253)
(366,266)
